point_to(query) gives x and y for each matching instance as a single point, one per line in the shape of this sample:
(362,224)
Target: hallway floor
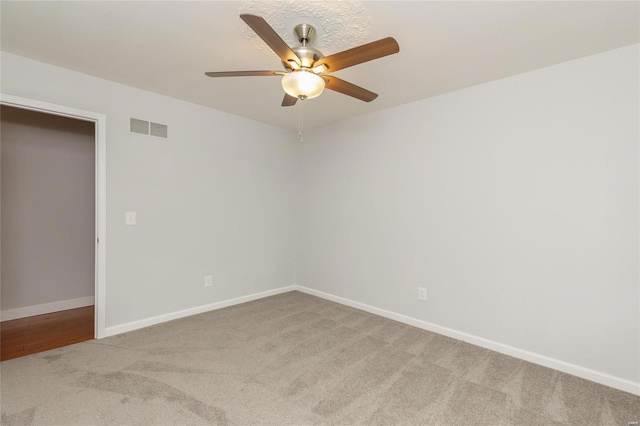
(39,333)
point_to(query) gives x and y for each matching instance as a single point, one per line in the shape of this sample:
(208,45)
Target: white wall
(515,203)
(215,198)
(48,208)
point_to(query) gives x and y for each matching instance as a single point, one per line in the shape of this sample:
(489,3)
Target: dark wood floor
(26,336)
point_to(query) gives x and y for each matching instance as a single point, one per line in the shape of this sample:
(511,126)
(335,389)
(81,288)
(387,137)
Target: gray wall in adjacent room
(48,208)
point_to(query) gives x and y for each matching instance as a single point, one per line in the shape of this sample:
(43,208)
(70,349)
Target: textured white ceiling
(166,47)
(339,25)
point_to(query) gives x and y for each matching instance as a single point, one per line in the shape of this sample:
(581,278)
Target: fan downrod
(305,33)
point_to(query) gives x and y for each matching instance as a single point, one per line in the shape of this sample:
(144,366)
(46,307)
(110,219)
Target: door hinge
(97,240)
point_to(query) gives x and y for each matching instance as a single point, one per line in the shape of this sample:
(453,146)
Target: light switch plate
(130,218)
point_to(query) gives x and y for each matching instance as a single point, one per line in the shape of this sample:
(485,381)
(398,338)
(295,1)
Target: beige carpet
(296,359)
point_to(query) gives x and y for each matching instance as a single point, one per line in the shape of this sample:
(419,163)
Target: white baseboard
(565,367)
(46,308)
(135,325)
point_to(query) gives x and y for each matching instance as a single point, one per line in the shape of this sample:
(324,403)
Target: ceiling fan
(305,66)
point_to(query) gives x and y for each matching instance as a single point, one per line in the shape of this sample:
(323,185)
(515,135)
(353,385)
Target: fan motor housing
(308,55)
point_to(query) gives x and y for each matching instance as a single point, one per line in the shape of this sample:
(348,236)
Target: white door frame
(100,121)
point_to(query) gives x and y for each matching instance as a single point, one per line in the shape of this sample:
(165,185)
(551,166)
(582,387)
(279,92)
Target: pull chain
(301,120)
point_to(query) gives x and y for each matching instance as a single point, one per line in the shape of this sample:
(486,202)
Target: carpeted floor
(296,359)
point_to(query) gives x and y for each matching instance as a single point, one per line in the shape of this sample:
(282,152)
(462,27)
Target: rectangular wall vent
(148,128)
(139,126)
(159,130)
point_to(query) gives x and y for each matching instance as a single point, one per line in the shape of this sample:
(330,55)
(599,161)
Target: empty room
(320,212)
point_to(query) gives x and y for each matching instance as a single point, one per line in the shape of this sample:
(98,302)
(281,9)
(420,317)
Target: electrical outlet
(422,294)
(208,280)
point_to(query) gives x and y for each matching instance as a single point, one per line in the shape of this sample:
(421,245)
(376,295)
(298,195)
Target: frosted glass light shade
(303,83)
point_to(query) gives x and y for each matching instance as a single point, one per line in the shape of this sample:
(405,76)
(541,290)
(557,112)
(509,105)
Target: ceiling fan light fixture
(304,64)
(303,84)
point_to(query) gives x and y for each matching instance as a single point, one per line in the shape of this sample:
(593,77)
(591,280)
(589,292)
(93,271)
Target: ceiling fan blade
(242,73)
(269,36)
(349,89)
(289,100)
(360,54)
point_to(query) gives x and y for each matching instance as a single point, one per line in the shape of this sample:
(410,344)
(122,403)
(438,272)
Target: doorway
(72,318)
